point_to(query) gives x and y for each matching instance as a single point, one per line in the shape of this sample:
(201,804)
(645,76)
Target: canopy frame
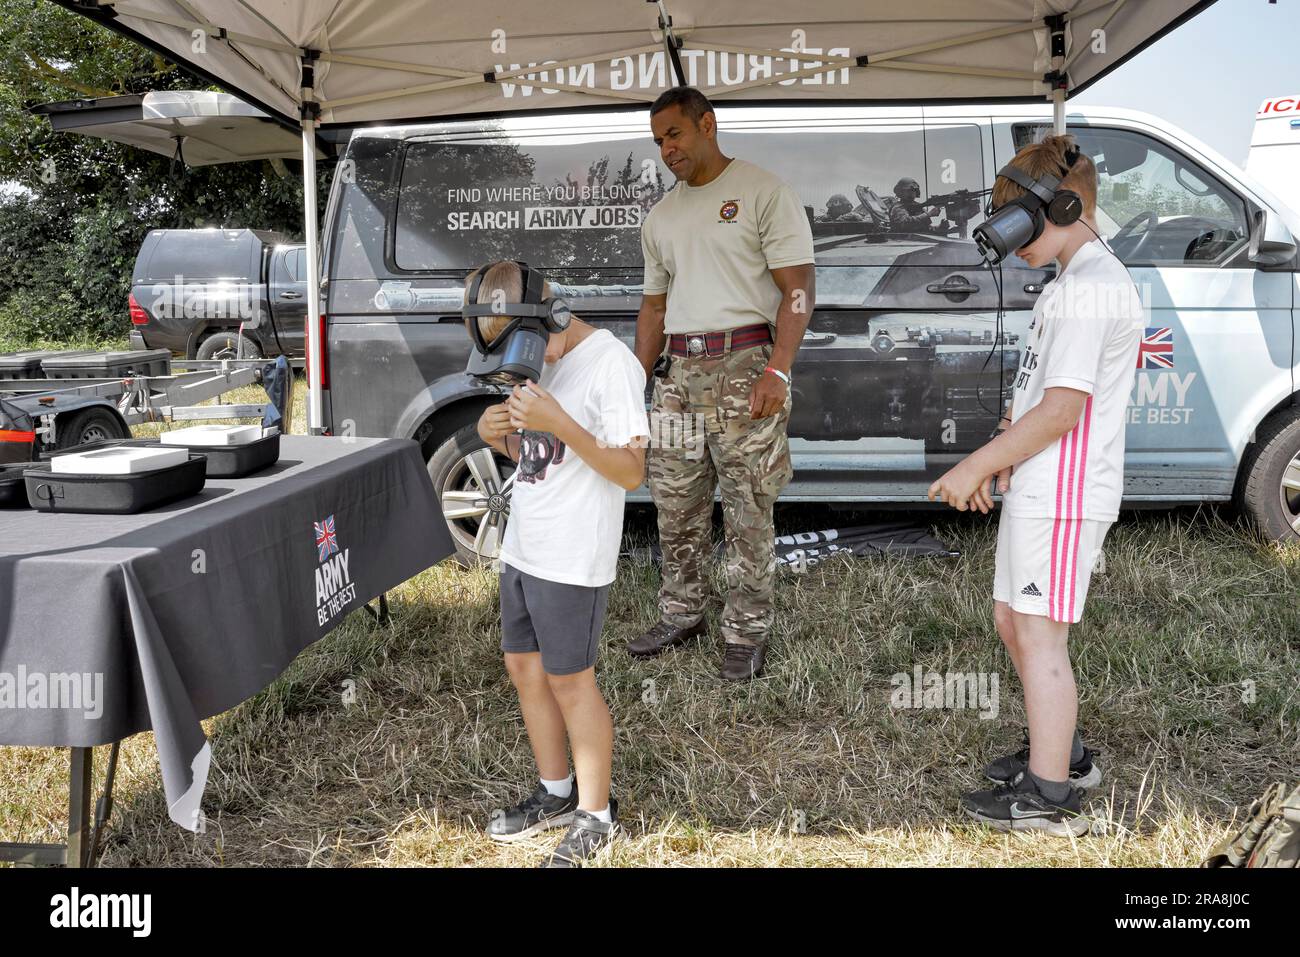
(670,42)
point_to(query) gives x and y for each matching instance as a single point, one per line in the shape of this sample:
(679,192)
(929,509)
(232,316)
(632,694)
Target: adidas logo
(1031,590)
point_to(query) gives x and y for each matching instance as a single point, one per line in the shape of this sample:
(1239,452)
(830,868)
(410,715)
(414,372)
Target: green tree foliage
(74,210)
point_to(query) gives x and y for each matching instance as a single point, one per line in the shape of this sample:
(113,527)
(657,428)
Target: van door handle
(940,288)
(818,338)
(291,295)
(955,288)
(1034,288)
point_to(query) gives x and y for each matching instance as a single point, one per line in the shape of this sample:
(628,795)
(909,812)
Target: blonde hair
(1047,157)
(502,282)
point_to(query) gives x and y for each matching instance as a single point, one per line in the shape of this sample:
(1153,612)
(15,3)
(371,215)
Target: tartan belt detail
(714,344)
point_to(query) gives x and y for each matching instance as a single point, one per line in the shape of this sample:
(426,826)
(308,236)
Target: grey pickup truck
(219,294)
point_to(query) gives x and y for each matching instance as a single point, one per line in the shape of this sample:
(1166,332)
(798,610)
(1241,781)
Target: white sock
(603,815)
(561,788)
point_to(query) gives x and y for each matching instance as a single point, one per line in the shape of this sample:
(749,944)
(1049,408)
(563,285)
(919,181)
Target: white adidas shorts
(1043,564)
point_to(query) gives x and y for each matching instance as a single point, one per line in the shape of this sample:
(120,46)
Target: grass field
(1187,661)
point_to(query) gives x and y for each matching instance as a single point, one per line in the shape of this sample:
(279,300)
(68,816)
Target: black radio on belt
(661,366)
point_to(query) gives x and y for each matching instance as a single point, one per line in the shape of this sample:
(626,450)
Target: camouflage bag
(1271,836)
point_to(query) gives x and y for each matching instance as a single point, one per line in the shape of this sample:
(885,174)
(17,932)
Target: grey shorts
(561,621)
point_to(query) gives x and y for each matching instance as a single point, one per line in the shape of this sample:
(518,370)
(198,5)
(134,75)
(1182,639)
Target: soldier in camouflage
(728,255)
(839,210)
(906,214)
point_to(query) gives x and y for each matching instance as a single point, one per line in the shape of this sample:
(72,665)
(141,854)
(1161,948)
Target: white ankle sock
(561,788)
(603,815)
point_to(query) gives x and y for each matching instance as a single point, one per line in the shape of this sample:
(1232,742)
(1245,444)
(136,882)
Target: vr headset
(518,351)
(1016,224)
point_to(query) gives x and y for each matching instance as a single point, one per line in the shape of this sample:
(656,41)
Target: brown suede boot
(662,637)
(742,662)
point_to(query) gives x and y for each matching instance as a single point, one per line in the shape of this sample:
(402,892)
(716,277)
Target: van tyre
(229,345)
(84,426)
(1268,489)
(473,483)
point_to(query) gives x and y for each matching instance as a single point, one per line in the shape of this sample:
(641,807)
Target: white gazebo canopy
(314,63)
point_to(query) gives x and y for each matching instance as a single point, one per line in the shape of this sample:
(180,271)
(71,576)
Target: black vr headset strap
(471,313)
(502,336)
(1041,189)
(536,308)
(471,299)
(532,283)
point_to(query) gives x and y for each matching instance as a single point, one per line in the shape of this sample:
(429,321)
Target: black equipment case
(13,488)
(109,365)
(114,494)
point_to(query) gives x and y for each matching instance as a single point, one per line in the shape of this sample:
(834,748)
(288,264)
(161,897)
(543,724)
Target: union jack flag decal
(1157,349)
(327,542)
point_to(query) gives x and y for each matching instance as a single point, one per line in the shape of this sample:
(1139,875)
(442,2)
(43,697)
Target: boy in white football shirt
(1058,460)
(579,437)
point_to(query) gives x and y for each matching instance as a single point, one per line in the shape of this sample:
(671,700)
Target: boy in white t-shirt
(579,437)
(1058,460)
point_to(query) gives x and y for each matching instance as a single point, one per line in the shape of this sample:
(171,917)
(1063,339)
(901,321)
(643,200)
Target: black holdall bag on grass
(1270,837)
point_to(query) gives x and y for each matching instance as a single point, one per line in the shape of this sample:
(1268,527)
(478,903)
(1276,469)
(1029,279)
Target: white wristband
(779,374)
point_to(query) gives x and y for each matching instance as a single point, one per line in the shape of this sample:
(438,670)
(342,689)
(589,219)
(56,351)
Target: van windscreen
(558,206)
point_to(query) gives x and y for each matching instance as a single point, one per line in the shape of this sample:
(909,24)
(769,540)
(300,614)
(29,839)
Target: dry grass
(809,766)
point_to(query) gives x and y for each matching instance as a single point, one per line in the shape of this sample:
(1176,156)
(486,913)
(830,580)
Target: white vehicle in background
(1274,157)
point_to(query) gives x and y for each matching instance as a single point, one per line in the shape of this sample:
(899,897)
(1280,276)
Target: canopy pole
(1057,79)
(671,43)
(309,114)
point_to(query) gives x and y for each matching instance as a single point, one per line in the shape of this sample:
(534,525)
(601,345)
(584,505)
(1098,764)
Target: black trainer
(1020,806)
(1084,773)
(586,835)
(538,812)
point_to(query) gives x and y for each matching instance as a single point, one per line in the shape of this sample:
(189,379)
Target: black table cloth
(115,624)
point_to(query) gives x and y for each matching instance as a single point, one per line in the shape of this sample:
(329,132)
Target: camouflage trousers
(702,437)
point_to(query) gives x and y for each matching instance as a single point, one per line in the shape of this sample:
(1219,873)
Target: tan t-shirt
(710,248)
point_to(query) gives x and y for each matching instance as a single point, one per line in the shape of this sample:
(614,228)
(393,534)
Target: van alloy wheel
(1268,481)
(475,499)
(1289,492)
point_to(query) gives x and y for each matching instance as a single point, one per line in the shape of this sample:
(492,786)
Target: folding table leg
(83,761)
(104,806)
(381,616)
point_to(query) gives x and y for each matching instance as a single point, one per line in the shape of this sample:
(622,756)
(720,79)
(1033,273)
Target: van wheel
(473,483)
(1268,490)
(84,426)
(228,345)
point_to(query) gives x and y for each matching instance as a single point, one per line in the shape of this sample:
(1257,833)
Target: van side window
(1158,208)
(881,198)
(571,208)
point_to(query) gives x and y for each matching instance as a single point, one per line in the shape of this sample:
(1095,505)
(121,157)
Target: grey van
(913,342)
